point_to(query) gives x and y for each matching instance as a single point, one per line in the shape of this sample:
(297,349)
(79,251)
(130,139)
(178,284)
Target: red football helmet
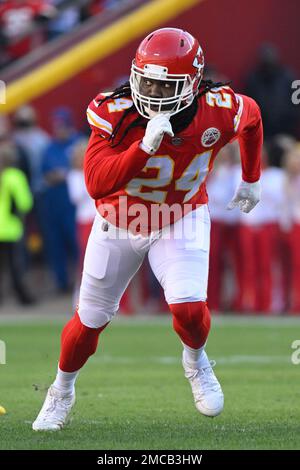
(167,54)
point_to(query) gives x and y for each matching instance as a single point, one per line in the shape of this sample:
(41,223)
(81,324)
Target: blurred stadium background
(55,56)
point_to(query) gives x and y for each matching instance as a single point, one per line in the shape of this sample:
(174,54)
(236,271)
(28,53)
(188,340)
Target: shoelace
(205,380)
(54,403)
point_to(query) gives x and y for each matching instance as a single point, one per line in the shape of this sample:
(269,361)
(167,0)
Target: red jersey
(125,178)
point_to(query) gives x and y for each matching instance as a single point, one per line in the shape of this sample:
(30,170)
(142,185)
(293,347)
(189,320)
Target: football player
(153,143)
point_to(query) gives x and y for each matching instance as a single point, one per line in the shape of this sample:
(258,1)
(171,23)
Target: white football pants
(178,256)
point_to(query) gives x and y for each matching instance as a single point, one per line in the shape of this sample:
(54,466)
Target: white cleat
(55,411)
(208,395)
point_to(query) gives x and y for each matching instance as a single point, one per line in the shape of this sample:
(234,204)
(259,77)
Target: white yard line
(165,319)
(167,360)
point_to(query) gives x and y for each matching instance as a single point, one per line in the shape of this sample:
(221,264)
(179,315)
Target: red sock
(78,343)
(191,321)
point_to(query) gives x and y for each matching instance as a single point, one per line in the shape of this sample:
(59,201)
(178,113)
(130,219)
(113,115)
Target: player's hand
(154,133)
(246,196)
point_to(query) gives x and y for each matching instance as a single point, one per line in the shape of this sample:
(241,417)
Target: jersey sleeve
(249,131)
(108,169)
(104,116)
(98,117)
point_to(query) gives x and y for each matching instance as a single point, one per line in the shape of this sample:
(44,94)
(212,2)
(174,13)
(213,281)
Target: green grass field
(132,394)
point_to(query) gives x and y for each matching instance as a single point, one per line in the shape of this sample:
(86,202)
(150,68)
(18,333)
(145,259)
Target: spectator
(33,141)
(67,19)
(224,232)
(17,18)
(60,226)
(270,85)
(85,205)
(15,201)
(4,129)
(290,222)
(20,160)
(259,235)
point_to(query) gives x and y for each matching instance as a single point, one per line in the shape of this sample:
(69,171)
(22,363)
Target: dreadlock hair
(207,85)
(179,121)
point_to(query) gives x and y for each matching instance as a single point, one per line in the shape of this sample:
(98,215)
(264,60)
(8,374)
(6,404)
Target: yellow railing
(91,50)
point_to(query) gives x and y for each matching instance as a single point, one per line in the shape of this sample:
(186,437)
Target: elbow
(92,184)
(93,181)
(95,193)
(97,186)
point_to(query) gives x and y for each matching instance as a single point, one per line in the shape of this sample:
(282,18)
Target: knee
(184,291)
(94,316)
(96,307)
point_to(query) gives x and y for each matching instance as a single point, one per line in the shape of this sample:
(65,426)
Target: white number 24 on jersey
(190,180)
(218,97)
